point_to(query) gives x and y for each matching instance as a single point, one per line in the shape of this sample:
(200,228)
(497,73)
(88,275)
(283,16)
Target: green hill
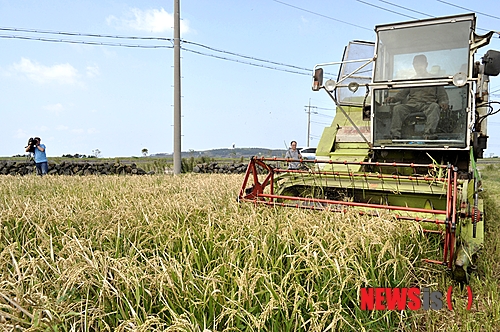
(229,153)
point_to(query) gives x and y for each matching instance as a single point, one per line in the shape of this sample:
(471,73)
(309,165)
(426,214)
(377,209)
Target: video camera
(32,142)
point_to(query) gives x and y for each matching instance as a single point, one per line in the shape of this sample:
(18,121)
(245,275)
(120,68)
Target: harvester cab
(411,121)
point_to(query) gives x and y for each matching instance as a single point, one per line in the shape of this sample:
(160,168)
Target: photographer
(35,146)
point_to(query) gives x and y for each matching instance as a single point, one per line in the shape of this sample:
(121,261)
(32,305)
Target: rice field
(178,253)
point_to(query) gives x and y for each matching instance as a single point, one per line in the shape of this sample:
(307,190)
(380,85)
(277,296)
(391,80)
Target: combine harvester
(388,150)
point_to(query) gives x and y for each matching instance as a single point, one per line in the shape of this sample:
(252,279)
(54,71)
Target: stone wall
(72,168)
(233,168)
(220,168)
(102,168)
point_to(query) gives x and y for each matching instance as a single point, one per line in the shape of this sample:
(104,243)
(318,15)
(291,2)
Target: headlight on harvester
(459,79)
(353,86)
(330,85)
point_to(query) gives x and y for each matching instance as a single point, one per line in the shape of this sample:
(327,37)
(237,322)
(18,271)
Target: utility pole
(308,122)
(177,88)
(308,110)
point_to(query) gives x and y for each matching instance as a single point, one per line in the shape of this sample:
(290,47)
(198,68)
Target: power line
(379,7)
(418,12)
(54,40)
(323,108)
(82,42)
(323,115)
(328,17)
(391,11)
(245,62)
(246,56)
(451,4)
(296,69)
(83,34)
(321,123)
(409,9)
(406,8)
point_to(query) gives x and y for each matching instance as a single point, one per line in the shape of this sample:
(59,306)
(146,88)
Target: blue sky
(119,100)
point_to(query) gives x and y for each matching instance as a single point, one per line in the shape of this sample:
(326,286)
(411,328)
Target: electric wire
(245,62)
(83,34)
(323,108)
(52,40)
(245,56)
(70,41)
(321,123)
(297,69)
(406,8)
(388,10)
(475,11)
(494,90)
(324,16)
(382,8)
(323,115)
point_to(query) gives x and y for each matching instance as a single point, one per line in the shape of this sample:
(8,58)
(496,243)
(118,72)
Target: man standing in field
(41,162)
(293,153)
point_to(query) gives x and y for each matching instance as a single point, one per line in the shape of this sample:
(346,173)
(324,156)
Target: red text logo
(406,299)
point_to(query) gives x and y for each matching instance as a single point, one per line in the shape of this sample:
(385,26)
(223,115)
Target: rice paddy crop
(178,253)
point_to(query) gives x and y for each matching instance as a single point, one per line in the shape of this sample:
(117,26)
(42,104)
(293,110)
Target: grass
(178,253)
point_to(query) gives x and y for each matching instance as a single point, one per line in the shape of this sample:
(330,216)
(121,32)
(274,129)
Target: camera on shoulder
(32,142)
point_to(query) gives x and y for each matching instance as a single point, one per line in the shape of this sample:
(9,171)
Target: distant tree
(96,153)
(145,152)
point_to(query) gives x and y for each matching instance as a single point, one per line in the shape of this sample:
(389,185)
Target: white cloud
(93,71)
(92,131)
(151,20)
(62,73)
(62,127)
(78,131)
(54,108)
(43,128)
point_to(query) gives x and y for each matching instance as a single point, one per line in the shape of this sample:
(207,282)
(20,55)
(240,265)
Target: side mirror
(318,79)
(367,113)
(491,61)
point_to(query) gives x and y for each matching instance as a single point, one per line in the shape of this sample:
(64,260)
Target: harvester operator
(429,100)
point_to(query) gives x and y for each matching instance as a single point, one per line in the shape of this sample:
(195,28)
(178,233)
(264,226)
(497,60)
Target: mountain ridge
(227,153)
